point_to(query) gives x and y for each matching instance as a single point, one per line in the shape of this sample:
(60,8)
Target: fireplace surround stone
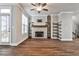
(39,31)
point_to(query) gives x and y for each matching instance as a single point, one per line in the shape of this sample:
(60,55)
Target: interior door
(5,32)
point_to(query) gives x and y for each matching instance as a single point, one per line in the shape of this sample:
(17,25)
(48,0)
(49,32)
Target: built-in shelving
(56,30)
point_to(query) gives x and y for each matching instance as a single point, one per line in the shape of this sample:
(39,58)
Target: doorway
(5,29)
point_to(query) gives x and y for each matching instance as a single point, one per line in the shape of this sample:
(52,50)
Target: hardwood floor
(46,47)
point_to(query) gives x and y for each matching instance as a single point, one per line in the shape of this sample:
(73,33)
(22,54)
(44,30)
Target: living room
(38,25)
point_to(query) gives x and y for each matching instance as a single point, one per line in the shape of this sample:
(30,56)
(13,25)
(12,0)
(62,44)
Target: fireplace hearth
(39,34)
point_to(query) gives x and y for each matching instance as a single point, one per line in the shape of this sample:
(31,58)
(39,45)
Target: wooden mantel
(34,25)
(39,25)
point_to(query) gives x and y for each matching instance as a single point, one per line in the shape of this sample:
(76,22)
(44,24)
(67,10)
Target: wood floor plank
(46,47)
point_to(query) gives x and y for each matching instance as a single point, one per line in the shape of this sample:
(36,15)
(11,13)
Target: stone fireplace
(39,27)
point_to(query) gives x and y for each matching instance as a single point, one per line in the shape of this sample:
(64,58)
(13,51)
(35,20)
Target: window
(5,11)
(24,24)
(5,19)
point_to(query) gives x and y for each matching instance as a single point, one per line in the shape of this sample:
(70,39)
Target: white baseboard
(16,44)
(66,39)
(4,43)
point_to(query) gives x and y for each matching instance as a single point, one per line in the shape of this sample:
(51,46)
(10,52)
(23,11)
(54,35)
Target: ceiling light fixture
(39,7)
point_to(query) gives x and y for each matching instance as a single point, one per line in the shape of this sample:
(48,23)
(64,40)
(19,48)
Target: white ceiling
(53,8)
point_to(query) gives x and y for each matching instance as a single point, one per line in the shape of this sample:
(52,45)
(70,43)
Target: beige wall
(18,37)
